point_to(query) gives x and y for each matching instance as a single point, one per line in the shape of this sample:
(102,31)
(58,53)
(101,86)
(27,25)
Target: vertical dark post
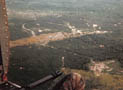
(0,56)
(4,38)
(1,65)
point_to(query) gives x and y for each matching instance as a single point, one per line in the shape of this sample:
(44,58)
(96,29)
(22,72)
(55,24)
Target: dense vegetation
(35,61)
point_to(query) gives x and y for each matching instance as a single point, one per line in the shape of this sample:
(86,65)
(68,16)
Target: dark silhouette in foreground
(72,81)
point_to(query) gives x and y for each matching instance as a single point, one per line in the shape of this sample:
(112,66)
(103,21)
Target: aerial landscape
(83,36)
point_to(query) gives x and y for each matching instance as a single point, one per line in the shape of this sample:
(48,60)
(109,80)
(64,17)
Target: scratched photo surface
(83,36)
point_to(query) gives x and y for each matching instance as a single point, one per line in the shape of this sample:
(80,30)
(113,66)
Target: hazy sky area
(64,3)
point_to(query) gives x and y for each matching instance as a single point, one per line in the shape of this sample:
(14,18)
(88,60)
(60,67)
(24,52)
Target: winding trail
(28,30)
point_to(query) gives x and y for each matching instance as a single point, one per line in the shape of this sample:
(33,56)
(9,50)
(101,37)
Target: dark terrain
(31,62)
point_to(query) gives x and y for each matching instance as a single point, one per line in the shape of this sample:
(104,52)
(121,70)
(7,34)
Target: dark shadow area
(35,61)
(79,51)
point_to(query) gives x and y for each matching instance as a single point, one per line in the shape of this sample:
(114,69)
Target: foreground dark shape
(12,86)
(71,81)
